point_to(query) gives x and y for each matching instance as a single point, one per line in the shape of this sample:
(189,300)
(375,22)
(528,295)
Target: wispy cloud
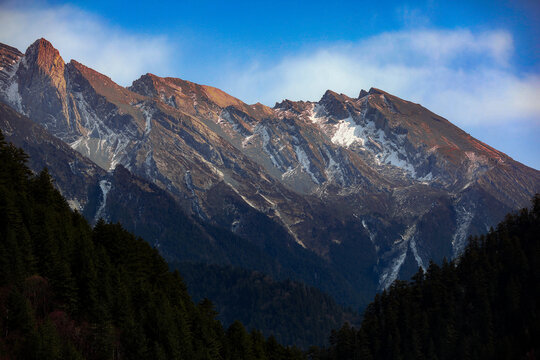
(464,76)
(86,38)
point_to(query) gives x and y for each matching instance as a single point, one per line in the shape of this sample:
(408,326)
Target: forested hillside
(284,309)
(70,291)
(485,305)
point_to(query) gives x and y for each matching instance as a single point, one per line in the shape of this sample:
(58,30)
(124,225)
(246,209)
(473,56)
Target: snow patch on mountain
(75,205)
(247,140)
(414,250)
(263,133)
(289,173)
(426,178)
(13,97)
(391,272)
(11,87)
(189,182)
(398,254)
(370,234)
(464,220)
(235,225)
(105,187)
(395,156)
(195,203)
(225,118)
(358,130)
(334,170)
(347,133)
(317,114)
(148,113)
(119,153)
(303,159)
(101,143)
(149,165)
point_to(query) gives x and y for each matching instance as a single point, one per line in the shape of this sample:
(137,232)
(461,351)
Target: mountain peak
(375,91)
(45,56)
(335,104)
(288,105)
(41,46)
(144,85)
(329,92)
(284,104)
(193,97)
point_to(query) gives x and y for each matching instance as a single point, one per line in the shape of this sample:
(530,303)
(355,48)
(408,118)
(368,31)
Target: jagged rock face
(362,182)
(107,127)
(42,86)
(9,58)
(73,174)
(151,212)
(9,63)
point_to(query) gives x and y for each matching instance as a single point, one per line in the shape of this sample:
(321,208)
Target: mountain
(482,306)
(190,244)
(69,291)
(349,193)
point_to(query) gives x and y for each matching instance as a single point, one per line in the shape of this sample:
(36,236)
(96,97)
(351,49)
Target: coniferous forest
(71,291)
(283,309)
(68,291)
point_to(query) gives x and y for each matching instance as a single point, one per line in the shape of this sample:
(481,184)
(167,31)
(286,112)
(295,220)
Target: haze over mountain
(345,194)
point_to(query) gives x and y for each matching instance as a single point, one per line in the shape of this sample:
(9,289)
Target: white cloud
(88,39)
(464,76)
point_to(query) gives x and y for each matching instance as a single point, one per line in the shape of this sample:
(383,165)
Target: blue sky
(476,63)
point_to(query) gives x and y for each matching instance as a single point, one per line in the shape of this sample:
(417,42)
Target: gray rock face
(373,186)
(74,174)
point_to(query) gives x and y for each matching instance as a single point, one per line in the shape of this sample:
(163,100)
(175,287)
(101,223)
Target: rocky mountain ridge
(152,213)
(374,186)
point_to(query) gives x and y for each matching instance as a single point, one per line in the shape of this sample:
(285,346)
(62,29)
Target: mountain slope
(70,291)
(357,182)
(123,198)
(496,283)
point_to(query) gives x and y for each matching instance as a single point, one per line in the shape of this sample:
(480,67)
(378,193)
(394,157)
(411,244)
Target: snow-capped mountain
(373,186)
